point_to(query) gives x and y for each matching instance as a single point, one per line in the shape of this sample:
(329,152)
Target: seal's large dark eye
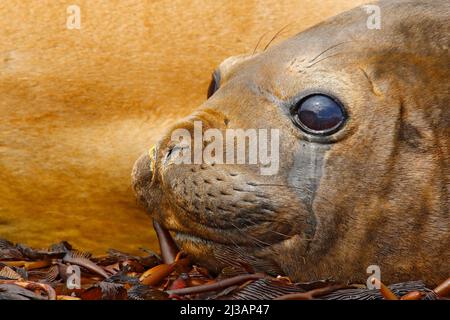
(319,114)
(214,84)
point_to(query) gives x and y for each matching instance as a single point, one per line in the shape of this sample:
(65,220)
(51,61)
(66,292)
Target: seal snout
(142,176)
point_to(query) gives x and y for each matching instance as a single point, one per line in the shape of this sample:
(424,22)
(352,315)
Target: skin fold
(376,192)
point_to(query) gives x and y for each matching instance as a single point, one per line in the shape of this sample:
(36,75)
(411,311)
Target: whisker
(238,247)
(292,187)
(329,48)
(330,56)
(257,241)
(276,35)
(273,231)
(259,42)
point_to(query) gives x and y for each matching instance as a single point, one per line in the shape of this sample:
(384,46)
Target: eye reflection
(319,114)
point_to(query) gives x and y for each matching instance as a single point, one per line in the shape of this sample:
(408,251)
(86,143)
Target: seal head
(363,172)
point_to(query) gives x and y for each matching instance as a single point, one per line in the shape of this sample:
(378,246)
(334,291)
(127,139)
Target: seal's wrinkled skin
(374,192)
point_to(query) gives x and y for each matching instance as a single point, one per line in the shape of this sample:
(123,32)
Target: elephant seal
(363,175)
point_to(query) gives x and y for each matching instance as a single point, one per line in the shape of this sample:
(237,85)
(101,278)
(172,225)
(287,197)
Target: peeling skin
(305,175)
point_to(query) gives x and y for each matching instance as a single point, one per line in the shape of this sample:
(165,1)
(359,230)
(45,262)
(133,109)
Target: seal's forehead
(231,62)
(230,65)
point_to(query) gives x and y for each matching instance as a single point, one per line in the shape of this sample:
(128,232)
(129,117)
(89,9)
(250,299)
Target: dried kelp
(30,274)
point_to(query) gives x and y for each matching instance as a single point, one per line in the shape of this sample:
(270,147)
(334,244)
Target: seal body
(373,192)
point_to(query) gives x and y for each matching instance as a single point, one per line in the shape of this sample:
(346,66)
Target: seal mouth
(216,255)
(217,249)
(190,231)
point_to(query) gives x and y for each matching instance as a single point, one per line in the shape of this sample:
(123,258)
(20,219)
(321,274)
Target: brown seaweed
(26,273)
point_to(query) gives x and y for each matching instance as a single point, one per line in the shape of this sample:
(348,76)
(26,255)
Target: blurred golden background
(79,106)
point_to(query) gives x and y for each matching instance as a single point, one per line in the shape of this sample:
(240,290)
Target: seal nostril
(169,153)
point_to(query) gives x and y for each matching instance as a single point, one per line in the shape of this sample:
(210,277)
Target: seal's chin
(215,246)
(216,256)
(201,250)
